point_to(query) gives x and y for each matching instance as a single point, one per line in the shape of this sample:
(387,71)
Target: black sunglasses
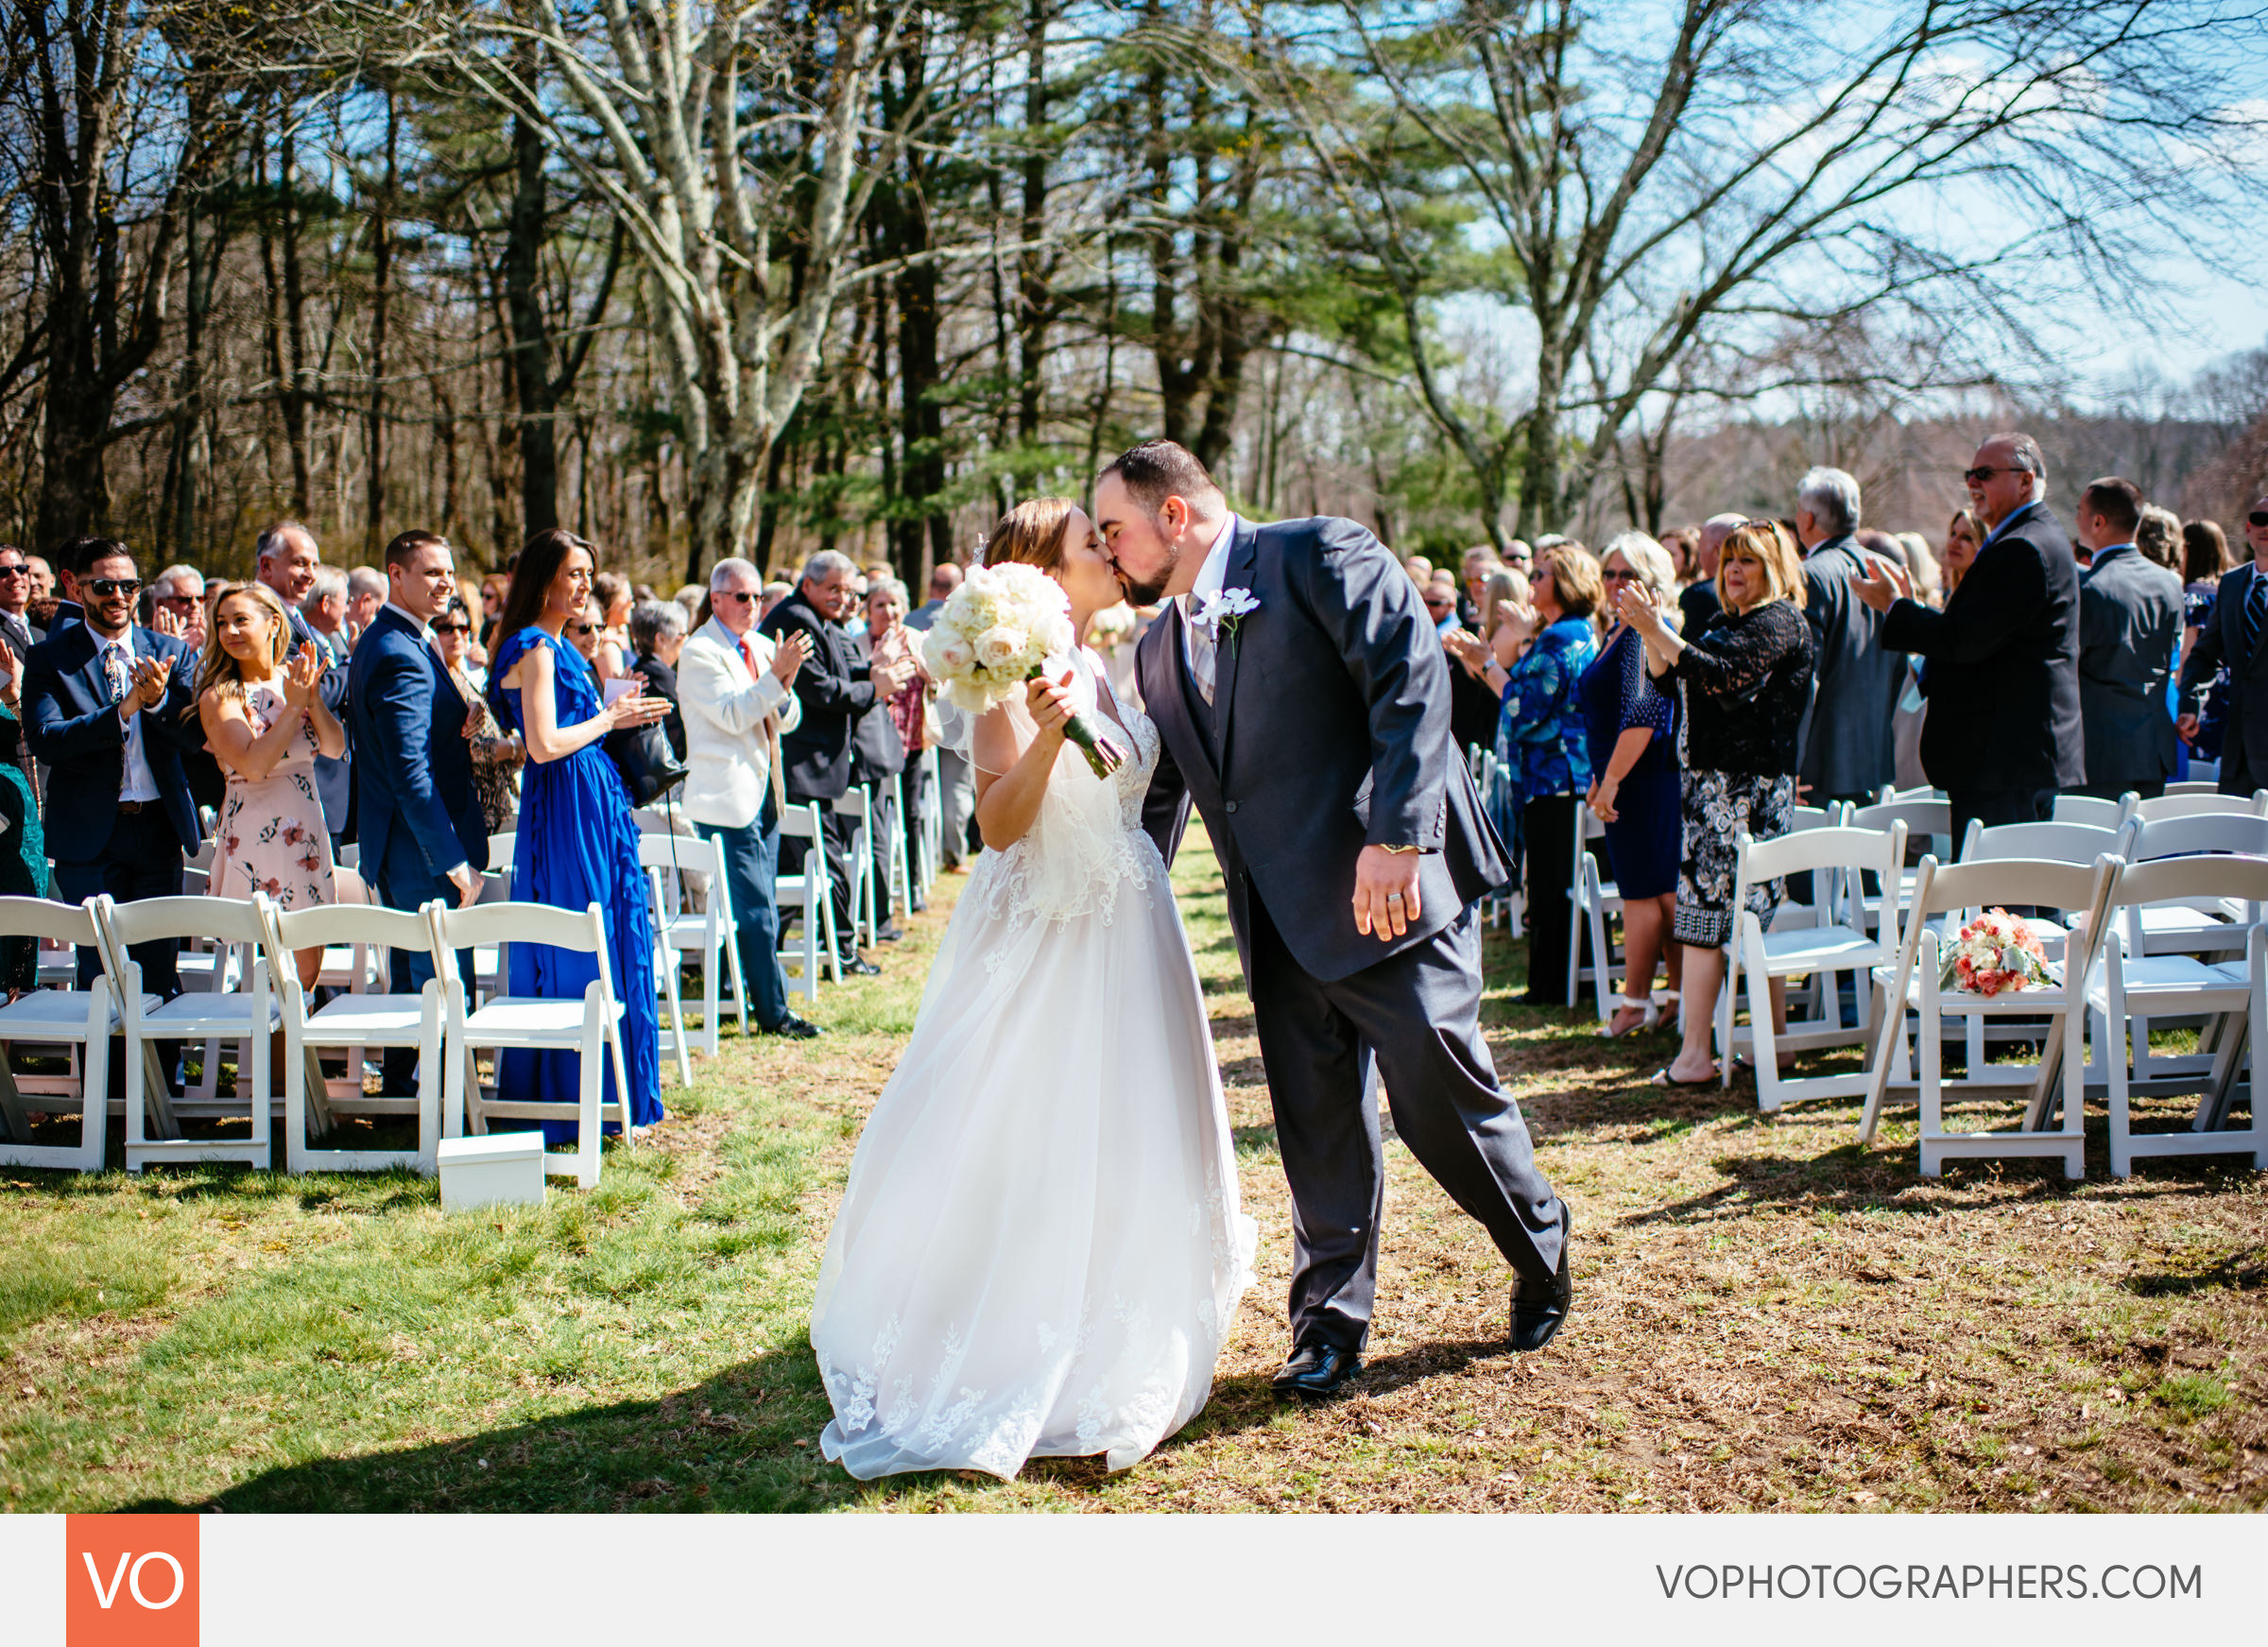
(582,628)
(110,585)
(452,629)
(742,595)
(18,570)
(1607,576)
(1979,475)
(2257,517)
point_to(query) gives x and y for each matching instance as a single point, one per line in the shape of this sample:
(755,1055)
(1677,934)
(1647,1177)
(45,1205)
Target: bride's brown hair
(1032,532)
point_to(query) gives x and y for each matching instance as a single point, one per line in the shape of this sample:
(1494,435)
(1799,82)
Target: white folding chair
(79,1021)
(657,854)
(1822,952)
(930,838)
(680,930)
(2093,809)
(900,880)
(2204,772)
(866,922)
(1928,824)
(809,892)
(1596,901)
(352,1022)
(1918,983)
(2191,805)
(591,1026)
(2131,989)
(242,1008)
(2207,923)
(2211,785)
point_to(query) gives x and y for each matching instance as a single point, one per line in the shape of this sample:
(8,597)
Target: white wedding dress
(1039,1249)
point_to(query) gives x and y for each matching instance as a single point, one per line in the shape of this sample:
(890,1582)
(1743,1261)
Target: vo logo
(130,1580)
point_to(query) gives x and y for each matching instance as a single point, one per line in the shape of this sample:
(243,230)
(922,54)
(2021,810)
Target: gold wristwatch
(1399,851)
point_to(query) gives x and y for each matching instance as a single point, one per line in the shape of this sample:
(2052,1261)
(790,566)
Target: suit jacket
(333,775)
(1329,731)
(728,752)
(2245,738)
(877,747)
(74,727)
(2004,669)
(661,682)
(1848,746)
(419,813)
(2129,634)
(835,688)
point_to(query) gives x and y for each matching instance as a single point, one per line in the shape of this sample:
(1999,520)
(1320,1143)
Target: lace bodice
(1087,847)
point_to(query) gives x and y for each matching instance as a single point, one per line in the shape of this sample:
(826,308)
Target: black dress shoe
(794,1028)
(890,933)
(859,967)
(1538,1309)
(1316,1370)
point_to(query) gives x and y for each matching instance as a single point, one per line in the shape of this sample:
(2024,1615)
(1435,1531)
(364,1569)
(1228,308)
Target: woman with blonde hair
(1964,536)
(257,700)
(1747,681)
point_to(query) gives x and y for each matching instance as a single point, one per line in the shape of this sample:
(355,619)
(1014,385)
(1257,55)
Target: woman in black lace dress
(1746,680)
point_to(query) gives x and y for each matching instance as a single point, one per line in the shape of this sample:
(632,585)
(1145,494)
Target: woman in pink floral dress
(265,725)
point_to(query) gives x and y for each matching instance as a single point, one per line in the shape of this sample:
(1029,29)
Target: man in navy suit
(423,833)
(288,560)
(109,707)
(2236,633)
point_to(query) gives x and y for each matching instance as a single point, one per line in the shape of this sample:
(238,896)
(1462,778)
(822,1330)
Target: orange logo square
(130,1580)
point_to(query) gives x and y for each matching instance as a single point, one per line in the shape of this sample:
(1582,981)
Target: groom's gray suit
(1329,730)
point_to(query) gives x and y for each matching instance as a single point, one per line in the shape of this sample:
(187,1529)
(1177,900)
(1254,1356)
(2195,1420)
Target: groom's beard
(1151,591)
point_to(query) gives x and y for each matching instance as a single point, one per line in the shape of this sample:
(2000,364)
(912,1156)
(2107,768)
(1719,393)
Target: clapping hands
(635,707)
(150,677)
(300,672)
(1882,582)
(1636,608)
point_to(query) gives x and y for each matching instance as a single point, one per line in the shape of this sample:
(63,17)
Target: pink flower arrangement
(1996,951)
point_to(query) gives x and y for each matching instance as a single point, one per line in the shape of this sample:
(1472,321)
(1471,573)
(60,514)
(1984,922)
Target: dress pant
(839,830)
(1548,827)
(957,780)
(404,881)
(920,797)
(1413,1021)
(752,856)
(142,859)
(888,825)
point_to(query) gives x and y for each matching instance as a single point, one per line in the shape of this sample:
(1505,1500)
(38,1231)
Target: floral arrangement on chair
(1996,951)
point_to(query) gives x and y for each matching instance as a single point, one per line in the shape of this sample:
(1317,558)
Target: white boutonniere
(1223,610)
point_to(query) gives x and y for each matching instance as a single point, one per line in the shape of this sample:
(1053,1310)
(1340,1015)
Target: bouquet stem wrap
(1102,754)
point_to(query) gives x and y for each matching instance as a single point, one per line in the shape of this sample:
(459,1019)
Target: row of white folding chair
(808,894)
(900,883)
(858,805)
(929,837)
(1508,907)
(1821,910)
(83,1021)
(680,930)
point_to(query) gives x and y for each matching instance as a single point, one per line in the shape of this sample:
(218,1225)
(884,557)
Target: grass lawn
(1766,1317)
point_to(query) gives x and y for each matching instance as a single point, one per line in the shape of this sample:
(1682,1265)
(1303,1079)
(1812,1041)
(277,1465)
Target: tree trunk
(382,261)
(524,233)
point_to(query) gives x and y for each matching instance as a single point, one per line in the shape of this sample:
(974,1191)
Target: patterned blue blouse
(1540,734)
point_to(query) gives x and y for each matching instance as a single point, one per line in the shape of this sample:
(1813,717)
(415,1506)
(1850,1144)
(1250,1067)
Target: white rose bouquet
(997,632)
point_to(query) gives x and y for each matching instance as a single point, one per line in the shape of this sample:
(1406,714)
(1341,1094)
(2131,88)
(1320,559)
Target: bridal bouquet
(1996,951)
(997,632)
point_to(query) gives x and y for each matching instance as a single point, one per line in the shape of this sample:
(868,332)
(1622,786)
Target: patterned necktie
(115,671)
(2256,611)
(1203,652)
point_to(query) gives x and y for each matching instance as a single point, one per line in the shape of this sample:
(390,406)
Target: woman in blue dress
(1631,727)
(577,843)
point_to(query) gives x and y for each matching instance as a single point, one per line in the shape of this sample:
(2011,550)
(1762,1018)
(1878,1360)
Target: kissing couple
(1039,1250)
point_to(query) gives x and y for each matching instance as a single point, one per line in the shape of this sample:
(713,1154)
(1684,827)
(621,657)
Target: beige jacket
(733,725)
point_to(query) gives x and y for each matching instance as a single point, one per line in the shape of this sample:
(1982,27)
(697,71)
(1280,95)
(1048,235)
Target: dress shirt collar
(2105,552)
(417,624)
(2008,520)
(1214,571)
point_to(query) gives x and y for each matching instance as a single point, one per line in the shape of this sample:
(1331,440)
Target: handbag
(648,766)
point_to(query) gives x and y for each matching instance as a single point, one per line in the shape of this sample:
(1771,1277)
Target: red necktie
(748,656)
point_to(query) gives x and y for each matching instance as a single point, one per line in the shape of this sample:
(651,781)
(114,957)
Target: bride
(1039,1249)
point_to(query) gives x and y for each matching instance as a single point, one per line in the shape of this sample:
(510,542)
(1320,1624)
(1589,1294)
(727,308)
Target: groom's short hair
(1158,470)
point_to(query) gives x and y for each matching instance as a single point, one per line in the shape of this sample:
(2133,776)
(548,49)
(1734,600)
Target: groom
(1303,702)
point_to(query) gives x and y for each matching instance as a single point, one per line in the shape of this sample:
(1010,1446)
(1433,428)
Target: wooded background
(697,278)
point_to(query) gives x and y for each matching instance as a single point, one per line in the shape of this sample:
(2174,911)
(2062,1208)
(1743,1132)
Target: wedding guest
(259,704)
(1542,740)
(955,798)
(1962,534)
(2158,535)
(613,598)
(23,860)
(1697,602)
(773,595)
(368,589)
(738,699)
(586,632)
(1504,614)
(325,610)
(1630,733)
(2231,636)
(1846,751)
(497,754)
(2004,651)
(108,708)
(577,844)
(1744,683)
(886,617)
(693,601)
(15,601)
(878,747)
(2129,632)
(943,579)
(494,588)
(2205,557)
(288,559)
(1478,563)
(837,689)
(417,814)
(1420,569)
(1519,557)
(658,630)
(176,597)
(42,578)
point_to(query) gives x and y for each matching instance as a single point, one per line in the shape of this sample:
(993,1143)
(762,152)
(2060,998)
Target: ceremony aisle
(1765,1318)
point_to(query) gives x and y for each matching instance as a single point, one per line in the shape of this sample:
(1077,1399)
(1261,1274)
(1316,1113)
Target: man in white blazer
(736,690)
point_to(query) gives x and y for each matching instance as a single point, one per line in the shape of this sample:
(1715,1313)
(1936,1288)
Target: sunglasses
(15,571)
(1617,576)
(105,587)
(1982,474)
(582,628)
(452,629)
(741,595)
(2257,517)
(170,600)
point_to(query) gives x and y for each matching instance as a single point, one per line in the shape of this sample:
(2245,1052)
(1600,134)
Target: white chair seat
(375,1019)
(2148,975)
(1789,949)
(201,1014)
(53,1014)
(530,1019)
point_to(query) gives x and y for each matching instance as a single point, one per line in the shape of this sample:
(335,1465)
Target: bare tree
(1651,184)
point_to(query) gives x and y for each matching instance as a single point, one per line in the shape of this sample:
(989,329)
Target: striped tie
(2256,611)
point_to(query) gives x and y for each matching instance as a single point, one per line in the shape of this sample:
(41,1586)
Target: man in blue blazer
(109,707)
(2236,633)
(418,813)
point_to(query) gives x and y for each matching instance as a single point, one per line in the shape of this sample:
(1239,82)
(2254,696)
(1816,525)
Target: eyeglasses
(452,629)
(171,600)
(2257,517)
(582,628)
(106,587)
(18,570)
(741,595)
(1982,473)
(1617,576)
